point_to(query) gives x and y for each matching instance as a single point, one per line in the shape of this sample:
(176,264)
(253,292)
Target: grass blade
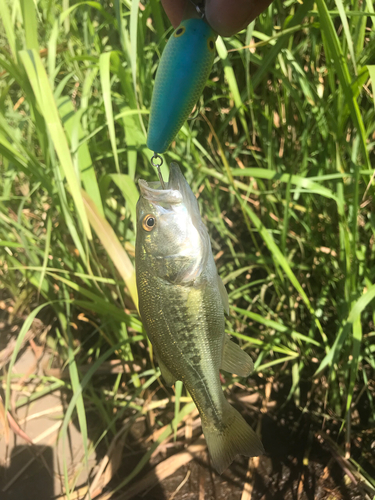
(104,66)
(25,328)
(178,393)
(8,27)
(113,247)
(345,25)
(232,82)
(371,70)
(269,59)
(46,252)
(43,93)
(354,316)
(133,39)
(81,155)
(129,191)
(333,49)
(281,261)
(30,24)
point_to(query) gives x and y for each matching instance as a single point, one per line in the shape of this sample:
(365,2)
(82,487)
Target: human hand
(226,17)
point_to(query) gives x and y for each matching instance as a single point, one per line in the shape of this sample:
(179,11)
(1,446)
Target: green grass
(283,159)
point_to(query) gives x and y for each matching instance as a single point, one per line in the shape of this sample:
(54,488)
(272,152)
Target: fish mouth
(177,195)
(171,195)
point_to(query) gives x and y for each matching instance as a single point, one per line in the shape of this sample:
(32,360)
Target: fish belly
(185,325)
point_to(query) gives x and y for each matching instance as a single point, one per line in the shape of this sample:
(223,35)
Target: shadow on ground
(29,475)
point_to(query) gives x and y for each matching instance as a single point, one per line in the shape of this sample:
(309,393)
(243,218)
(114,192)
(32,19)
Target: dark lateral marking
(195,359)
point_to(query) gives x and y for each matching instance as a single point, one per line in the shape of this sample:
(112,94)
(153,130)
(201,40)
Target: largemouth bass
(182,302)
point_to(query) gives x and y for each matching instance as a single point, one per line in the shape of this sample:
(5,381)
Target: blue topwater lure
(181,76)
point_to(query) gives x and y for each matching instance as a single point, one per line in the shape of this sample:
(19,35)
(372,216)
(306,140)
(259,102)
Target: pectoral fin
(166,374)
(235,360)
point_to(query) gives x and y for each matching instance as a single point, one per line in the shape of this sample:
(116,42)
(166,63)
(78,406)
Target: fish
(182,301)
(182,73)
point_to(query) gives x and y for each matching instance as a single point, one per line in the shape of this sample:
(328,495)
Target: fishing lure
(181,76)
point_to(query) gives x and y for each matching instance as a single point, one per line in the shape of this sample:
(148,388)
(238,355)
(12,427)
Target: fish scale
(187,334)
(182,302)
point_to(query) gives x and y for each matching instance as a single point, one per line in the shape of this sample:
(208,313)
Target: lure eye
(179,31)
(211,44)
(148,222)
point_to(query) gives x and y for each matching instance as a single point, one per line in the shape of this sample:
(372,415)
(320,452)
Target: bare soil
(302,461)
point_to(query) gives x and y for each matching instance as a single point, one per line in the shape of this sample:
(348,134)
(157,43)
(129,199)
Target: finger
(227,17)
(177,10)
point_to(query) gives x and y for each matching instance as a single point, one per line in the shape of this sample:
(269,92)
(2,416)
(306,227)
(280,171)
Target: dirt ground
(301,461)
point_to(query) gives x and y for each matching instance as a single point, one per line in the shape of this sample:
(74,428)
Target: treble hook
(157,166)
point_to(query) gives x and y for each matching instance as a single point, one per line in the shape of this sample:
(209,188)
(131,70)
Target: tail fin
(234,437)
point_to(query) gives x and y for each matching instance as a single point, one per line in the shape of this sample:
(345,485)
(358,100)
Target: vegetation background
(281,156)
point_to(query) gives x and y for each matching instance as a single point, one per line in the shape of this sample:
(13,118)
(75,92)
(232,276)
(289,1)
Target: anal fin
(235,360)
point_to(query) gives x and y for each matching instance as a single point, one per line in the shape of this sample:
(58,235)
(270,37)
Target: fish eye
(211,44)
(179,31)
(148,222)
